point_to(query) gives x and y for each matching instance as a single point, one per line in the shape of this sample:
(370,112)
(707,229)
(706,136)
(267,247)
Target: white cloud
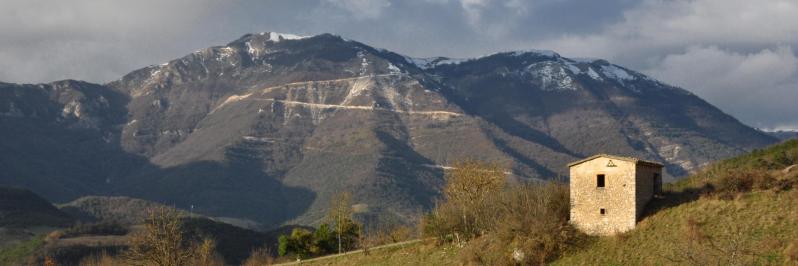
(736,54)
(758,87)
(362,9)
(41,41)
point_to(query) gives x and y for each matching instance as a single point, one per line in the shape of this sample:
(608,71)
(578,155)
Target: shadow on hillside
(62,160)
(670,199)
(222,190)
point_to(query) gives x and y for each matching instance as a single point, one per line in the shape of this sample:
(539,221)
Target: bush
(530,227)
(162,242)
(732,183)
(526,224)
(462,215)
(303,243)
(259,257)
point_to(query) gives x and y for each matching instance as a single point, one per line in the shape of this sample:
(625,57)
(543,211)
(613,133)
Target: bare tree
(162,243)
(469,183)
(341,215)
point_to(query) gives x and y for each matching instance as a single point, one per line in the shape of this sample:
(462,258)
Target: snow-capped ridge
(276,36)
(431,62)
(546,53)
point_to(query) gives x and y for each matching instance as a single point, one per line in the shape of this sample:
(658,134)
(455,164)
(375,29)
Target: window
(600,181)
(603,211)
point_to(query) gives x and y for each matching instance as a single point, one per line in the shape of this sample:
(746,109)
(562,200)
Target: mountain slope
(271,126)
(22,208)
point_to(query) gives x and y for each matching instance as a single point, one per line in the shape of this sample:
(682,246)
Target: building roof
(628,159)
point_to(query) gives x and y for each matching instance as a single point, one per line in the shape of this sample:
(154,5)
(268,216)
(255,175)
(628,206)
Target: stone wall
(617,197)
(645,186)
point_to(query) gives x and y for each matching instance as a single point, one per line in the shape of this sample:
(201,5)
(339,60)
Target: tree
(341,216)
(323,240)
(298,243)
(468,184)
(282,245)
(162,243)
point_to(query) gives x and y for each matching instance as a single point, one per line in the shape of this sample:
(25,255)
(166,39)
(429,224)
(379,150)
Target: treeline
(340,235)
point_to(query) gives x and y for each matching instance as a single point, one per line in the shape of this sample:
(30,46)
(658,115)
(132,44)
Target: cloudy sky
(739,55)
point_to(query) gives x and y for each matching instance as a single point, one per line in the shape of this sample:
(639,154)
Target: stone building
(609,193)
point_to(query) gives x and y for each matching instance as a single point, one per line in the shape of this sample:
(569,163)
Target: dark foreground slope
(269,127)
(22,208)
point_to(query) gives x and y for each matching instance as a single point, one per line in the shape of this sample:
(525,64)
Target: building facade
(609,193)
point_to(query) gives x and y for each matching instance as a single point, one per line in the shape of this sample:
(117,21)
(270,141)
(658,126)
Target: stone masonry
(609,193)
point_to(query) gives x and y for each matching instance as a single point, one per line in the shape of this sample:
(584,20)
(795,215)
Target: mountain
(271,126)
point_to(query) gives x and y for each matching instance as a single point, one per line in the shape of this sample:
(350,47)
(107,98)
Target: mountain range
(272,126)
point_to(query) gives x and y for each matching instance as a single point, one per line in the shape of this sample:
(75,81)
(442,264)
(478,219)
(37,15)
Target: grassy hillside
(17,254)
(739,211)
(420,253)
(755,228)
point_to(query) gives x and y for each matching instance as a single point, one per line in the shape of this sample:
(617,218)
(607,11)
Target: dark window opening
(603,211)
(600,181)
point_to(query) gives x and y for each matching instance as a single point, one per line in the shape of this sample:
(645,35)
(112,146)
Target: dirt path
(354,252)
(790,168)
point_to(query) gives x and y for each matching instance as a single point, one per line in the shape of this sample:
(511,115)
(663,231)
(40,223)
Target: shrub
(102,259)
(259,257)
(304,243)
(530,226)
(524,224)
(162,243)
(462,215)
(732,183)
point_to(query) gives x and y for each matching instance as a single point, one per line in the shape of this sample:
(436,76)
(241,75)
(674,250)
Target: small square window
(603,211)
(600,181)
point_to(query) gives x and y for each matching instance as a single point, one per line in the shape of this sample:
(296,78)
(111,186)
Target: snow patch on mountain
(552,76)
(251,50)
(277,37)
(431,62)
(546,53)
(393,69)
(616,73)
(592,74)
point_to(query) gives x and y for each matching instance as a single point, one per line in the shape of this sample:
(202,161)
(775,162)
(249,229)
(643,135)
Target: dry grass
(259,257)
(755,228)
(421,253)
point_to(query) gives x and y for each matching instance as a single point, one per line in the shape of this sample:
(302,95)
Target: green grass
(17,253)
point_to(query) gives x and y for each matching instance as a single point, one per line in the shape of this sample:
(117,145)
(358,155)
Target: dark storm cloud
(737,54)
